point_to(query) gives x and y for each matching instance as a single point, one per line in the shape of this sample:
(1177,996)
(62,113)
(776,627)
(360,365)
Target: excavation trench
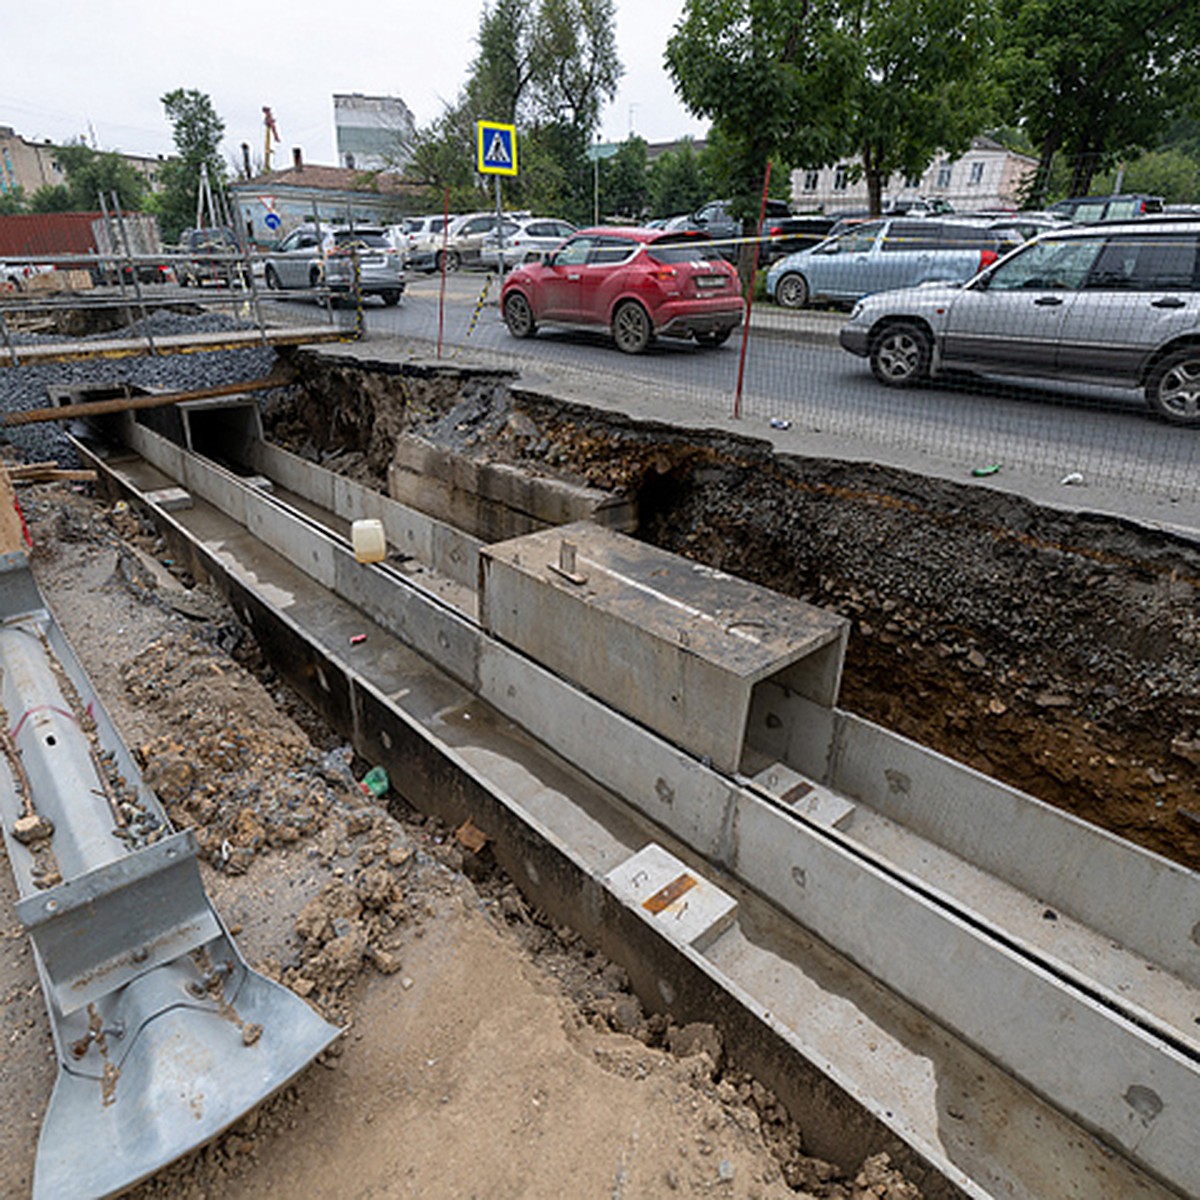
(1058,652)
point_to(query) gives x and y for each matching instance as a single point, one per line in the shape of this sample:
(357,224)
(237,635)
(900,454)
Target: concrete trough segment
(888,957)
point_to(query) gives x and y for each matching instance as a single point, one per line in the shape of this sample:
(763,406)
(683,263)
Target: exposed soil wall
(1058,652)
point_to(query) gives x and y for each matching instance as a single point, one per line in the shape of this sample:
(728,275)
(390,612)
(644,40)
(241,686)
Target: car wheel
(715,337)
(448,259)
(631,328)
(271,279)
(792,291)
(900,355)
(518,316)
(315,277)
(1173,389)
(391,297)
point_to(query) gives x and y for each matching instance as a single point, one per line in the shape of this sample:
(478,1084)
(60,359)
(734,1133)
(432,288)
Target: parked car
(210,255)
(876,255)
(462,242)
(787,235)
(639,283)
(913,206)
(716,219)
(531,235)
(419,237)
(1116,304)
(310,257)
(14,276)
(1107,208)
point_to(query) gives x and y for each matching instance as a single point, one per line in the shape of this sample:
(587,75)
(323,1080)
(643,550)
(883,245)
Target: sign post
(497,155)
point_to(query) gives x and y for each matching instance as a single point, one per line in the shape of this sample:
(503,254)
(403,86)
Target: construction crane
(270,134)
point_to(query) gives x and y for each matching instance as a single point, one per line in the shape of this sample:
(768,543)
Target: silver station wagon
(892,253)
(1115,304)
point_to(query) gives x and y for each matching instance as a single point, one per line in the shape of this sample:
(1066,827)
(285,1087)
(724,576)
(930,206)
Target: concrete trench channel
(657,753)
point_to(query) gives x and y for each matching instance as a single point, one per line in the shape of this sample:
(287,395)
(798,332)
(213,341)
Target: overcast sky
(99,67)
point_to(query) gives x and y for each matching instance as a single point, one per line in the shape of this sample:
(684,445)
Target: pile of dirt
(485,1052)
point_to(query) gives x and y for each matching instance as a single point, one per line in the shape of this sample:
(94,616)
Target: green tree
(197,132)
(626,186)
(13,202)
(679,181)
(93,174)
(548,68)
(1169,173)
(51,198)
(1095,80)
(810,81)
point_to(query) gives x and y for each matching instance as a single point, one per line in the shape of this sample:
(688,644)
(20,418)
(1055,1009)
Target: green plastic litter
(375,782)
(986,470)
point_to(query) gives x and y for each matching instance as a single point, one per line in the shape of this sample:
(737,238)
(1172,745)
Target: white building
(374,133)
(988,175)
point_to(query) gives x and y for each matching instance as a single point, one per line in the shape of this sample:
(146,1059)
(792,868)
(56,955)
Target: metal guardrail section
(164,1036)
(871,843)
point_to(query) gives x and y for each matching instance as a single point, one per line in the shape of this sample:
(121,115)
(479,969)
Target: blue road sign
(497,146)
(272,221)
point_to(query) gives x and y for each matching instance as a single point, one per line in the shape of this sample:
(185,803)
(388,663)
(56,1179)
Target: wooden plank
(98,408)
(12,528)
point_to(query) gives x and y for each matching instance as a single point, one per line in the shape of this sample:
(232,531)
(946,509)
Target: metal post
(499,226)
(762,212)
(9,344)
(112,257)
(137,283)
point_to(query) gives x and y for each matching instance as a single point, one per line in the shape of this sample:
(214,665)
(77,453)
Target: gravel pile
(26,387)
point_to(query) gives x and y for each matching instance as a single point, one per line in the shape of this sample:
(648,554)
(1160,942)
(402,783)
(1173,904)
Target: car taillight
(986,258)
(662,274)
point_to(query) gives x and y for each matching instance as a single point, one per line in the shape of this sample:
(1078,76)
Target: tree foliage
(626,183)
(1094,80)
(13,201)
(810,81)
(679,181)
(92,175)
(53,197)
(548,68)
(197,131)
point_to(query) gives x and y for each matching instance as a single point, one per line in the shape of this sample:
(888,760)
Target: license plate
(710,281)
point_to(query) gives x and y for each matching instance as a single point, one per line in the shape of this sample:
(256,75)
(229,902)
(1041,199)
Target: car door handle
(1168,302)
(1048,301)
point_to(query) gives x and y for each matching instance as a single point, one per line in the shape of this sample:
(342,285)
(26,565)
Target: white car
(535,234)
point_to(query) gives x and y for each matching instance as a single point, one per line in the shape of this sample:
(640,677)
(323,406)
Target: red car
(640,283)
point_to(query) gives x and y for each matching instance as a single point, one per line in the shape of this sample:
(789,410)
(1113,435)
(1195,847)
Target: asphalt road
(796,372)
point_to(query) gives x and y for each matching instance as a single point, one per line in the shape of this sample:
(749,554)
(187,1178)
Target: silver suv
(1115,304)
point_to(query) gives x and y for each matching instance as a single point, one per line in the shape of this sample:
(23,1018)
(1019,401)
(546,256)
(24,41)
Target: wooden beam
(99,408)
(12,528)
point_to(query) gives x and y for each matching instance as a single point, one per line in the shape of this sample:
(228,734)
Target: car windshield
(681,250)
(1050,264)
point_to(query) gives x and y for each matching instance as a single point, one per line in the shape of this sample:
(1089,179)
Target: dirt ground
(485,1054)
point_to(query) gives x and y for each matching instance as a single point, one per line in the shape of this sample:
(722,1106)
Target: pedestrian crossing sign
(497,148)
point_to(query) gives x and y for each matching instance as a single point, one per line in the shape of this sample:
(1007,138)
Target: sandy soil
(485,1054)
